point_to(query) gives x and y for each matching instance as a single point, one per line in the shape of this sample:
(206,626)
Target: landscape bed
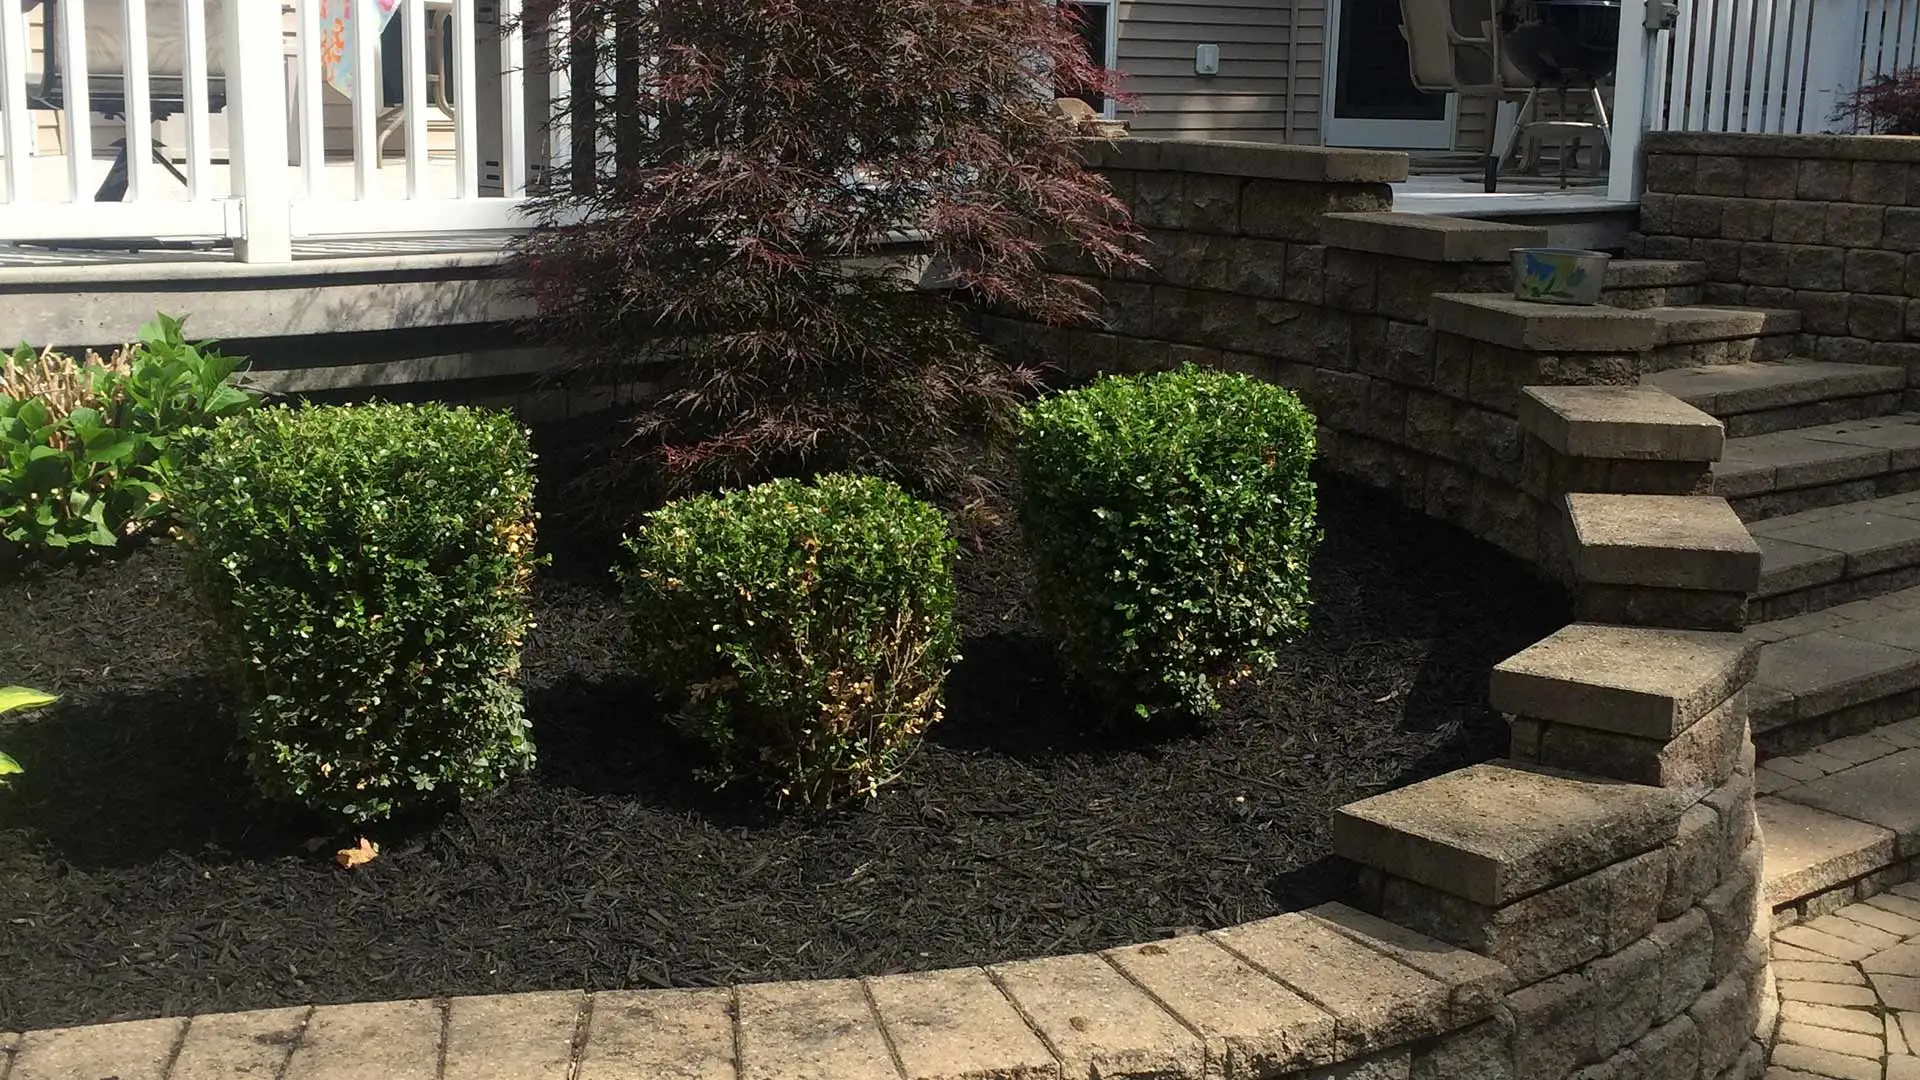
(138,877)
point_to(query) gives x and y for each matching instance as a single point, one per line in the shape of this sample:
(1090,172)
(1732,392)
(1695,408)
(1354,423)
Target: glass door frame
(1381,134)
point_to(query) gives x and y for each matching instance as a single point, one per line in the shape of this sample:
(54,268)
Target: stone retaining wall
(1284,262)
(1828,225)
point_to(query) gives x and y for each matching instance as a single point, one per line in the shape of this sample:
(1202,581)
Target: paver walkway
(1850,992)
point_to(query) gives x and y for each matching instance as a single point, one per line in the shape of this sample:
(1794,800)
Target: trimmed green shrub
(1171,520)
(368,569)
(89,448)
(803,631)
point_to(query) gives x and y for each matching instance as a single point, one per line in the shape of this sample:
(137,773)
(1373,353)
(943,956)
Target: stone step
(1761,397)
(1841,820)
(1837,672)
(1700,334)
(1789,472)
(1638,284)
(1816,559)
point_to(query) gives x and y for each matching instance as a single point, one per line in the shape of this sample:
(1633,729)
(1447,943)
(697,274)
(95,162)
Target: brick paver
(1857,1018)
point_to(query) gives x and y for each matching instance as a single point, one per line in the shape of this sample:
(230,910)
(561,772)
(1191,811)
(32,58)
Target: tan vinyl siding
(1268,88)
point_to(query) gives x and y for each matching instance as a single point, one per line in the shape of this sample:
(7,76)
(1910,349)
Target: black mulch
(137,879)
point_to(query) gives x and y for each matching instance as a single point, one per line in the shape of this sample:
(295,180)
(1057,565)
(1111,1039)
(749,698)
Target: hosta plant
(802,632)
(1171,520)
(15,699)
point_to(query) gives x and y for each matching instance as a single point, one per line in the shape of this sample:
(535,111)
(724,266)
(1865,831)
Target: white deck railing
(1754,66)
(276,143)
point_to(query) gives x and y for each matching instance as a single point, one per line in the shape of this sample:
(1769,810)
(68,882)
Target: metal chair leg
(114,187)
(1504,155)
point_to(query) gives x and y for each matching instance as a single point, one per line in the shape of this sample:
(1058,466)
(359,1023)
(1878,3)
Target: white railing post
(1630,85)
(257,130)
(1837,43)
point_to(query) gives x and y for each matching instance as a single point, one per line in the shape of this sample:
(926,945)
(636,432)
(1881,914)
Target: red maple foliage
(757,190)
(1885,104)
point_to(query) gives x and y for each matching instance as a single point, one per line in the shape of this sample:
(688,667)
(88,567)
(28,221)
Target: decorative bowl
(1559,275)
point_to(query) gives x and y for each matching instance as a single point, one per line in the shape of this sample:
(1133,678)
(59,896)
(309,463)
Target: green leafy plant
(88,449)
(14,699)
(367,569)
(803,630)
(1171,520)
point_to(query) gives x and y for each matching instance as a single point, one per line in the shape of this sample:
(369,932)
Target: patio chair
(1461,47)
(106,52)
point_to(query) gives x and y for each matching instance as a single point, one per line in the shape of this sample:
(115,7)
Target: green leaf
(20,697)
(9,767)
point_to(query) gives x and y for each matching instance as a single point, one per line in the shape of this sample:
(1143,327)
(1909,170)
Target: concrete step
(1759,397)
(1789,472)
(1698,334)
(1638,284)
(1816,559)
(1837,672)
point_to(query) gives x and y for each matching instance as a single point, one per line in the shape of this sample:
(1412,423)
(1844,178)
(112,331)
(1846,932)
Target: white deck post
(1630,76)
(257,131)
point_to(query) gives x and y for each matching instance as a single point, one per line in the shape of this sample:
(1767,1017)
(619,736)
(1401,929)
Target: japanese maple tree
(755,189)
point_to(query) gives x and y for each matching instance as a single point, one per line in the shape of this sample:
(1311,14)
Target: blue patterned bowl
(1559,275)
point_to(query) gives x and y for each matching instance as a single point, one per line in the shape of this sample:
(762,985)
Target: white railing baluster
(1796,57)
(1680,79)
(560,90)
(313,112)
(1740,62)
(15,121)
(1701,65)
(1766,31)
(367,89)
(413,44)
(193,17)
(1779,38)
(513,101)
(466,96)
(76,107)
(137,91)
(1661,75)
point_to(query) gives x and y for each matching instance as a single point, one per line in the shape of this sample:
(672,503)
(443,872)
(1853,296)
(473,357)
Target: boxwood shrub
(1171,521)
(802,631)
(367,569)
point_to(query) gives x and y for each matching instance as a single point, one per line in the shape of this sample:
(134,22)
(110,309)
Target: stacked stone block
(1612,864)
(1827,226)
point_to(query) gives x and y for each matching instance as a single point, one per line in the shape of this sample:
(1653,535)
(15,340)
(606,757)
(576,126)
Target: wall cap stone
(1818,147)
(1661,541)
(1620,422)
(1499,831)
(1258,999)
(1428,237)
(1642,681)
(1499,319)
(1252,160)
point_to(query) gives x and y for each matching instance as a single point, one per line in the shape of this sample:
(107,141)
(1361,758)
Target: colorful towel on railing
(336,38)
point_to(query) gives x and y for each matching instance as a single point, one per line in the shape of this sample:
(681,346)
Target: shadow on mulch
(122,778)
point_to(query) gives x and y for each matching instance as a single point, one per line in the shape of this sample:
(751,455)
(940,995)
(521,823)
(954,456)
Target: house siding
(1271,68)
(1273,72)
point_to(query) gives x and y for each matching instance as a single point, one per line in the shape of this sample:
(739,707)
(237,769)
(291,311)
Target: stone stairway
(1822,462)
